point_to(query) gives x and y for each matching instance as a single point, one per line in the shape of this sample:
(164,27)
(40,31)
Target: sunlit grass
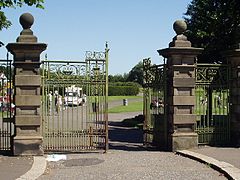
(131,107)
(115,98)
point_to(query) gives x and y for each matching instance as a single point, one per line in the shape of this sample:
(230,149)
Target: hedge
(123,90)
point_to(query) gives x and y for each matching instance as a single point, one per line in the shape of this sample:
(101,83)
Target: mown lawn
(115,98)
(131,107)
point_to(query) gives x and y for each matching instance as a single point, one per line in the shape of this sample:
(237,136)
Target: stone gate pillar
(233,58)
(27,82)
(180,89)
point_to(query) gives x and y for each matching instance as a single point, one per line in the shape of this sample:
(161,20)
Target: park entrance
(74,101)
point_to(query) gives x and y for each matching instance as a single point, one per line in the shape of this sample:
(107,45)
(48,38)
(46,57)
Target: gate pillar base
(27,145)
(182,141)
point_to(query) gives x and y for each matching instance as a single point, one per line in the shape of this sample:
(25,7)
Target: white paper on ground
(56,157)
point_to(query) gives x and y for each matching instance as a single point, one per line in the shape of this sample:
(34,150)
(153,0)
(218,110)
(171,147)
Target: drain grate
(82,162)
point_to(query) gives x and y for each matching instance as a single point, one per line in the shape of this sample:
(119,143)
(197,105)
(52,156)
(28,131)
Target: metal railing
(74,104)
(7,108)
(212,104)
(155,115)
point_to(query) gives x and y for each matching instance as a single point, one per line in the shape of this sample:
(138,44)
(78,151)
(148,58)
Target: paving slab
(213,157)
(226,154)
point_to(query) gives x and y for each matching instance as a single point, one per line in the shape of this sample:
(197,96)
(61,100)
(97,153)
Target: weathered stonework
(27,81)
(181,95)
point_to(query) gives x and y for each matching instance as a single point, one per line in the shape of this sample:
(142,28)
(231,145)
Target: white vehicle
(73,96)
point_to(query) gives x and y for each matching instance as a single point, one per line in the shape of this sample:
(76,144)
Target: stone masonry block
(182,59)
(27,130)
(183,91)
(183,109)
(175,60)
(28,120)
(183,67)
(28,100)
(181,141)
(30,72)
(188,60)
(30,90)
(184,82)
(184,72)
(28,145)
(28,111)
(184,119)
(184,100)
(26,80)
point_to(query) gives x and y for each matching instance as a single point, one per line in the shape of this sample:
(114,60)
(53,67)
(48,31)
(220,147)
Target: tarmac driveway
(128,160)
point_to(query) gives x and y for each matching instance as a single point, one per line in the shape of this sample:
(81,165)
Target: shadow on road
(125,138)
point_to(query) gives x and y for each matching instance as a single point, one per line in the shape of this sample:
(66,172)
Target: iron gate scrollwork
(212,104)
(155,120)
(74,97)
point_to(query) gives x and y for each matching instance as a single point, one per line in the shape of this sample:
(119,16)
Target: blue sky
(134,29)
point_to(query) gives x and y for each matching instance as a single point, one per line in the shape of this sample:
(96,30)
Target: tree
(4,22)
(213,25)
(118,78)
(136,73)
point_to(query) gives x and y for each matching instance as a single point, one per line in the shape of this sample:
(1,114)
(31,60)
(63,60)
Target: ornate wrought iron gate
(212,103)
(6,106)
(74,97)
(155,120)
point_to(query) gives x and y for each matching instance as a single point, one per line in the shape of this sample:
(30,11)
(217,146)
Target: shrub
(123,90)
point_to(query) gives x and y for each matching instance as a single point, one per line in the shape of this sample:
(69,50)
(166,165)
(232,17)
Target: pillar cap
(180,40)
(26,35)
(179,26)
(26,20)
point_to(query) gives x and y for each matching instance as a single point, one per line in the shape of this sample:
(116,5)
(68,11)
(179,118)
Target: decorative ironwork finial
(106,45)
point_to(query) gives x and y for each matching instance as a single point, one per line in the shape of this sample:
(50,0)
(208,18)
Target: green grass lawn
(115,98)
(131,107)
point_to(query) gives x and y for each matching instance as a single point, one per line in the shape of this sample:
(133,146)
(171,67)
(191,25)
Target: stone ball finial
(179,26)
(26,20)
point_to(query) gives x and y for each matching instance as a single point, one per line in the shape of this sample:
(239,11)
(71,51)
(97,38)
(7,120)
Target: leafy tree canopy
(136,74)
(213,25)
(4,22)
(118,78)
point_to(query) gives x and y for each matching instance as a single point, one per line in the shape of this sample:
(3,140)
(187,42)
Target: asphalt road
(127,159)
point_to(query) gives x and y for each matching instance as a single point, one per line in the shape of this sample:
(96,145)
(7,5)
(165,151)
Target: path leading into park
(127,159)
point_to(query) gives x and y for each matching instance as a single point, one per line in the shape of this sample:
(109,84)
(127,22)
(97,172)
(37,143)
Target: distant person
(154,104)
(49,102)
(59,103)
(56,101)
(13,108)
